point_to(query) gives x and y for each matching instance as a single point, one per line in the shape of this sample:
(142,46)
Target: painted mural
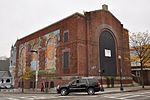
(35,61)
(22,58)
(34,64)
(50,52)
(48,43)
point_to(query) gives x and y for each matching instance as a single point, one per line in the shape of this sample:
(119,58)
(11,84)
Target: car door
(74,86)
(82,85)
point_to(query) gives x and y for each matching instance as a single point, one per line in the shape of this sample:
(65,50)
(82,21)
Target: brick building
(80,45)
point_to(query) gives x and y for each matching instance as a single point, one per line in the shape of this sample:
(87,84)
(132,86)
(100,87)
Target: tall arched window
(107,54)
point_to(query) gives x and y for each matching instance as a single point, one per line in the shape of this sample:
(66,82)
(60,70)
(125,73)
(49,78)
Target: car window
(83,81)
(77,81)
(92,80)
(72,82)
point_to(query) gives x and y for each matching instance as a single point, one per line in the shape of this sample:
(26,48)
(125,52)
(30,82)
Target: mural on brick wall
(34,64)
(48,43)
(50,52)
(22,58)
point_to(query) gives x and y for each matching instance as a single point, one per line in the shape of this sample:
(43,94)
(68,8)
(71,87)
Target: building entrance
(107,54)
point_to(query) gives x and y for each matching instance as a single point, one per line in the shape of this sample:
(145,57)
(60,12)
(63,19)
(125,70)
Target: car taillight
(98,83)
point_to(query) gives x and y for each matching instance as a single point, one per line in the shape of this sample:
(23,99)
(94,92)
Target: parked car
(83,84)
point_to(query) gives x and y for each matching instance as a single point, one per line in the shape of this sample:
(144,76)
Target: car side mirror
(73,84)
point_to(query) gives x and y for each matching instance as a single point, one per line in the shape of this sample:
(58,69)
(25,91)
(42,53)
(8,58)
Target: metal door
(107,54)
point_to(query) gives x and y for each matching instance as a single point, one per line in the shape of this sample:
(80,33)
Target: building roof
(4,65)
(4,74)
(25,39)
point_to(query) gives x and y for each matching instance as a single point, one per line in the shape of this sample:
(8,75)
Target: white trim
(140,69)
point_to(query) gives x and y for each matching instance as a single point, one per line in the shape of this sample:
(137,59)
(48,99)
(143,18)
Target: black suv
(83,84)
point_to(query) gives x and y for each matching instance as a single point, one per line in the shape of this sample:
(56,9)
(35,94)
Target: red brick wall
(99,21)
(126,54)
(81,47)
(69,25)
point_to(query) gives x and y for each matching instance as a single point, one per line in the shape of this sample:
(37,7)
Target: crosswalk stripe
(37,97)
(13,99)
(117,95)
(22,97)
(128,97)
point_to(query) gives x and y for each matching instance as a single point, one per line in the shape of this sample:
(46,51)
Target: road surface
(137,95)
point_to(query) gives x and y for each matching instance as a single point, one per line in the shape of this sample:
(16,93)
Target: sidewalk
(125,89)
(53,90)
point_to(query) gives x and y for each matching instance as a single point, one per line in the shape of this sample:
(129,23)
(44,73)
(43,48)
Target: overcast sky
(19,18)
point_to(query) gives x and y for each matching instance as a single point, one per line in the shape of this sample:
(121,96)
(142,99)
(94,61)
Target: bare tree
(140,44)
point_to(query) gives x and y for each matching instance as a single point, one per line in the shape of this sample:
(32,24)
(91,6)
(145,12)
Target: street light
(36,71)
(101,80)
(121,87)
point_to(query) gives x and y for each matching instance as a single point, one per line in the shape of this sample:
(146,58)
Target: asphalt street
(136,95)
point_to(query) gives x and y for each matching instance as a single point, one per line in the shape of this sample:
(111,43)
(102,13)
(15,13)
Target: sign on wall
(107,53)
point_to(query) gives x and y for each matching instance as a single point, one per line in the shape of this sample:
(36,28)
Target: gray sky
(19,18)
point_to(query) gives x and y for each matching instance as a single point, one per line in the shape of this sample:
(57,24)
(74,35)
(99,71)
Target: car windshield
(72,82)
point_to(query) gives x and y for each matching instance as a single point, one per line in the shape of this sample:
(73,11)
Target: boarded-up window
(66,60)
(66,37)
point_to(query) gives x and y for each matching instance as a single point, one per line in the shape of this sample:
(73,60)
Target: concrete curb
(106,91)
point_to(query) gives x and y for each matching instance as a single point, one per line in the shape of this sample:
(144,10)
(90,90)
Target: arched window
(8,81)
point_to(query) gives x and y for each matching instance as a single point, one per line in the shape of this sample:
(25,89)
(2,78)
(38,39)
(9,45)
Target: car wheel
(64,92)
(91,91)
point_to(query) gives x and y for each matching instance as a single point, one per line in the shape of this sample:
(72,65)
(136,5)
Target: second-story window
(66,60)
(66,36)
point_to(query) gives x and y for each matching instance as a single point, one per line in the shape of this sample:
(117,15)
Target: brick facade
(83,46)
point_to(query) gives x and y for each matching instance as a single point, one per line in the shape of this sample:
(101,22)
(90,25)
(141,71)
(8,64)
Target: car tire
(64,92)
(91,91)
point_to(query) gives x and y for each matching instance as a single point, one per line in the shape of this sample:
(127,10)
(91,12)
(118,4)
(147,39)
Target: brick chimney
(105,7)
